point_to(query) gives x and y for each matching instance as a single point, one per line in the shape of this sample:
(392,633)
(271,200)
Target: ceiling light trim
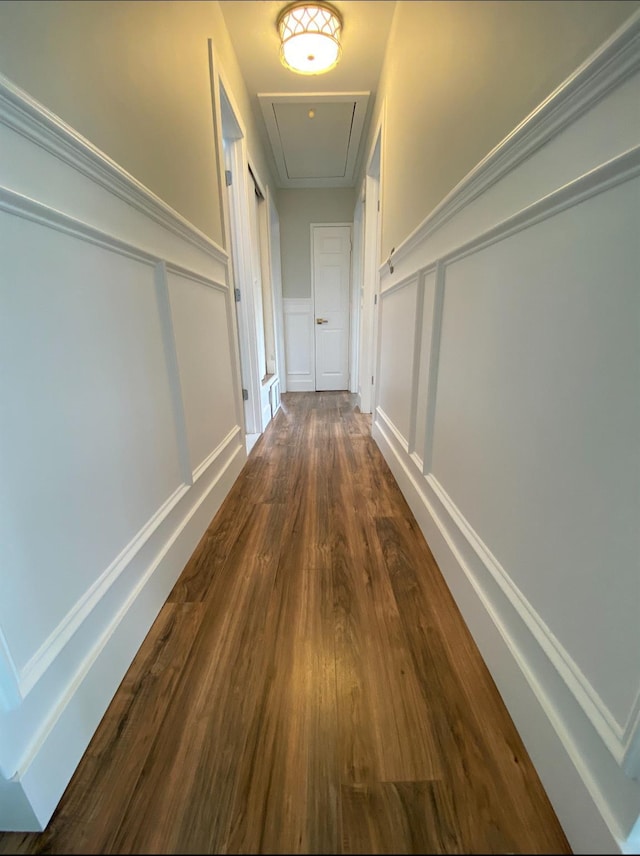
(310,37)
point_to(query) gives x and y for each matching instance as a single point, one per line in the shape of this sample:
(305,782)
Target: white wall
(298,209)
(120,432)
(126,75)
(508,408)
(458,77)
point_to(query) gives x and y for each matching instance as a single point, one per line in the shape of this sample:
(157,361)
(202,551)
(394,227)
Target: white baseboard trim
(296,384)
(57,748)
(584,815)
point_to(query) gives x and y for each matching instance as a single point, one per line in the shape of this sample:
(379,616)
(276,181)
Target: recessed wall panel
(86,424)
(199,316)
(537,422)
(396,354)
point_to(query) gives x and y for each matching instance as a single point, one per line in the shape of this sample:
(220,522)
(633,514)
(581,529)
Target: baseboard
(295,384)
(582,814)
(33,793)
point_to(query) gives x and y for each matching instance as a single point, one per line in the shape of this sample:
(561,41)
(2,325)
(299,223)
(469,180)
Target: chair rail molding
(121,439)
(520,230)
(25,115)
(607,68)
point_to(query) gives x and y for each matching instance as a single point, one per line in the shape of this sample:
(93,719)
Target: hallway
(309,686)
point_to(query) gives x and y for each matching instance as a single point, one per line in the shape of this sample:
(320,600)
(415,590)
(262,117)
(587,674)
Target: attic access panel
(317,151)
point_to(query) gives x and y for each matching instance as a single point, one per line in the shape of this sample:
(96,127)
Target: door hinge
(245,395)
(371,378)
(228,177)
(236,293)
(375,299)
(378,204)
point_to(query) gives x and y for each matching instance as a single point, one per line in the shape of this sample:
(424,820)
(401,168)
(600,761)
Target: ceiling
(324,149)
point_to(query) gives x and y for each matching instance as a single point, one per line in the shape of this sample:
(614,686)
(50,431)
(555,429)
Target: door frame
(357,274)
(312,226)
(236,231)
(275,266)
(372,242)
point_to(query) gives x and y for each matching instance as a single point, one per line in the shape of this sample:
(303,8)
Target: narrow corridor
(309,686)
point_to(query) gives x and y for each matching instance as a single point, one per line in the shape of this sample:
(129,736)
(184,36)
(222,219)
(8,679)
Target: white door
(331,283)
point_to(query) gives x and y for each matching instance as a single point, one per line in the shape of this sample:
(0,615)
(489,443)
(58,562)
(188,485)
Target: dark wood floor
(309,686)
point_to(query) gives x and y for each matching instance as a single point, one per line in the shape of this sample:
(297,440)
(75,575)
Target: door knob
(322,320)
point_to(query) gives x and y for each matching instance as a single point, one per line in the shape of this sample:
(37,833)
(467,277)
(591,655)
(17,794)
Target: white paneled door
(331,279)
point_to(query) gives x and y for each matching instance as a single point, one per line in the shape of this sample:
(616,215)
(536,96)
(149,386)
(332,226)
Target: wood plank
(399,817)
(310,686)
(212,552)
(500,800)
(184,795)
(385,722)
(97,796)
(288,783)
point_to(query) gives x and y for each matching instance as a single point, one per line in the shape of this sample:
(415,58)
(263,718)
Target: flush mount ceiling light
(309,37)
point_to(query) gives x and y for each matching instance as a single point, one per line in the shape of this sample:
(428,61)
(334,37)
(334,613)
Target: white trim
(295,384)
(631,741)
(368,334)
(37,212)
(616,60)
(415,363)
(622,168)
(619,739)
(22,113)
(434,362)
(173,371)
(410,279)
(586,756)
(187,273)
(233,321)
(357,283)
(24,679)
(276,251)
(219,449)
(361,100)
(237,230)
(38,664)
(55,713)
(604,824)
(9,681)
(601,718)
(397,434)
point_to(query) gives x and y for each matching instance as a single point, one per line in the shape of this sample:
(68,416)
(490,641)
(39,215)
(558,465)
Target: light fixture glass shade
(309,37)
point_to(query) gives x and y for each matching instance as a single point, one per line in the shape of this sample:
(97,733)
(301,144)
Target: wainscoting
(299,344)
(508,408)
(120,434)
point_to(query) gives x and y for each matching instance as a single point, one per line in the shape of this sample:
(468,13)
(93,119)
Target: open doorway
(266,273)
(248,214)
(240,263)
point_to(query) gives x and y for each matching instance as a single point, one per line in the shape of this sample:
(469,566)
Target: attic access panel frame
(360,100)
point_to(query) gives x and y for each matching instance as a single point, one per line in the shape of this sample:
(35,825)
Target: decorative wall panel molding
(610,66)
(122,435)
(564,215)
(23,114)
(299,344)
